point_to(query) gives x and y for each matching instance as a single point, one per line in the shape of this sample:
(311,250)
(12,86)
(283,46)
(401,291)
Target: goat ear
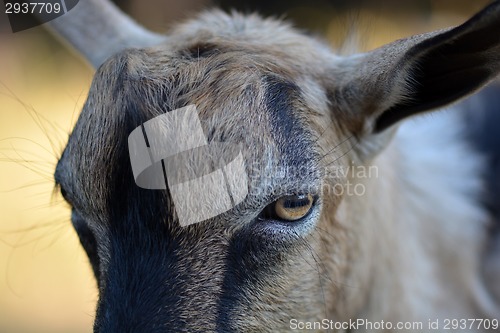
(97,29)
(421,73)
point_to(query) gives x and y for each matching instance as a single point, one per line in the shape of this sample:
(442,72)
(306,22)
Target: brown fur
(353,257)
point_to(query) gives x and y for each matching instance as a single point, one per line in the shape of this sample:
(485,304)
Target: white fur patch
(422,226)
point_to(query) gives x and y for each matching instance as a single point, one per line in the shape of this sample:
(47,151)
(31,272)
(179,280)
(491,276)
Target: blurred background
(46,283)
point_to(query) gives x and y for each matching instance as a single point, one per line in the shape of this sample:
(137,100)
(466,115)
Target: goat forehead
(257,108)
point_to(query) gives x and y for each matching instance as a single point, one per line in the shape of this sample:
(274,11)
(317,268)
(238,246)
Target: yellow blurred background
(46,283)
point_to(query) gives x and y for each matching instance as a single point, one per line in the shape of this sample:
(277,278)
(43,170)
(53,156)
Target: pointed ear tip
(495,6)
(490,12)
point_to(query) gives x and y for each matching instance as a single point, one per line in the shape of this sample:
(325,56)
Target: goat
(417,240)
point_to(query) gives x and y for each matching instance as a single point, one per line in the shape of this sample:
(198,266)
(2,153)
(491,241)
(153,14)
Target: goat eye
(293,207)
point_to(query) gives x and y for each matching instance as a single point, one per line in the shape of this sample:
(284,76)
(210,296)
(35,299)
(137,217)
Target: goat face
(237,269)
(299,114)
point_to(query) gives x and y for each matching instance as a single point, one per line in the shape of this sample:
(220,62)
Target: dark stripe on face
(255,256)
(160,277)
(256,267)
(233,285)
(156,276)
(143,277)
(283,103)
(245,265)
(297,156)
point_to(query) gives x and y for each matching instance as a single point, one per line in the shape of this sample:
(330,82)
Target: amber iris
(293,207)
